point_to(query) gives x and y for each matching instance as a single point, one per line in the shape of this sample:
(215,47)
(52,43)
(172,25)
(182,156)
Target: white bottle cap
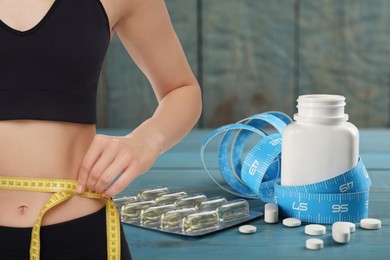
(321,108)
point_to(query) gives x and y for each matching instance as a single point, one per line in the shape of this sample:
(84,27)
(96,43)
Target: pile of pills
(341,231)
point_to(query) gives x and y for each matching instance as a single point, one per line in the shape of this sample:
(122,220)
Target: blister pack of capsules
(180,213)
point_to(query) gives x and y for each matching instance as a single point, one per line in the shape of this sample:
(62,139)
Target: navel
(22,209)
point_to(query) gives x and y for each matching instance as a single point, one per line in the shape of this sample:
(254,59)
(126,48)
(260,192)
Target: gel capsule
(152,194)
(172,219)
(198,221)
(131,211)
(170,198)
(191,201)
(123,200)
(234,209)
(152,215)
(211,204)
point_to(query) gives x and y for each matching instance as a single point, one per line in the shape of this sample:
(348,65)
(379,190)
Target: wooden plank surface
(181,169)
(344,48)
(125,96)
(247,58)
(253,56)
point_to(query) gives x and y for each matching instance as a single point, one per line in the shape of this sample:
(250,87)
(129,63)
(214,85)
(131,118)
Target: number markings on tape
(63,190)
(343,198)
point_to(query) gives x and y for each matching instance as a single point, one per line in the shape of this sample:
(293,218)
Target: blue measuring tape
(255,173)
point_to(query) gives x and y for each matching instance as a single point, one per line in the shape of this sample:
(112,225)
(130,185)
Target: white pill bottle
(320,143)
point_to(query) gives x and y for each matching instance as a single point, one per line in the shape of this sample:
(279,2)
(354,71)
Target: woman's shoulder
(121,9)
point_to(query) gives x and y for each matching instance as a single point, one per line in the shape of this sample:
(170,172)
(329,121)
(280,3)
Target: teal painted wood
(374,150)
(372,141)
(184,17)
(130,97)
(102,99)
(126,98)
(269,242)
(344,48)
(256,56)
(179,169)
(248,59)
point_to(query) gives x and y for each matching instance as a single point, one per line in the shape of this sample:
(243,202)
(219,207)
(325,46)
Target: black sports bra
(51,72)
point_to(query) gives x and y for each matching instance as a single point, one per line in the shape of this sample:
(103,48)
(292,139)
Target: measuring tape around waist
(257,174)
(63,190)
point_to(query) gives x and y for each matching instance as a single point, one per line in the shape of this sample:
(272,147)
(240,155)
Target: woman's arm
(147,33)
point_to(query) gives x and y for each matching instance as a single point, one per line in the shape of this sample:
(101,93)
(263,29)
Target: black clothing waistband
(81,238)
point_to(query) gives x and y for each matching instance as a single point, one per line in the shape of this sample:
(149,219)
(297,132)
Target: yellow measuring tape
(62,190)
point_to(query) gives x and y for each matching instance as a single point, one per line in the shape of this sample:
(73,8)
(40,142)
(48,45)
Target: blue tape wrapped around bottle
(250,167)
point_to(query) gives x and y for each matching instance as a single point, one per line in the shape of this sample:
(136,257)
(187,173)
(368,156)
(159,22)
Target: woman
(51,52)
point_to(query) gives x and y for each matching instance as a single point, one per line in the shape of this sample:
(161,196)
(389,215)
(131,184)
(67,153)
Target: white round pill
(292,222)
(341,232)
(314,243)
(370,223)
(351,225)
(271,213)
(247,229)
(315,229)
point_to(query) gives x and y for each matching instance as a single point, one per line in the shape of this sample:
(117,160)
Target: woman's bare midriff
(31,148)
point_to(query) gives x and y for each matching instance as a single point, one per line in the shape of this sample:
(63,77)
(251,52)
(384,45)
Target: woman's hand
(110,157)
(145,29)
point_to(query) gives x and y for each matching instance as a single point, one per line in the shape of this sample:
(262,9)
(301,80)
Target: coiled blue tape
(235,136)
(257,174)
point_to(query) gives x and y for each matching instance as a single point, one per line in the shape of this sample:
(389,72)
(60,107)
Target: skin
(36,148)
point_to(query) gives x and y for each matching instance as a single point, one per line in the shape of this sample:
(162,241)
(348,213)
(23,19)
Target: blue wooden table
(180,169)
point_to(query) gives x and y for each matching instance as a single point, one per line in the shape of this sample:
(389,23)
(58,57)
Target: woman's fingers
(121,183)
(91,157)
(108,157)
(101,165)
(110,173)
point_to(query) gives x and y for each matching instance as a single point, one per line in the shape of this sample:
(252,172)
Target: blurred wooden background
(252,56)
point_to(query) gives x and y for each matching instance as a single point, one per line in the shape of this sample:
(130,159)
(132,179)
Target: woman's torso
(40,148)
